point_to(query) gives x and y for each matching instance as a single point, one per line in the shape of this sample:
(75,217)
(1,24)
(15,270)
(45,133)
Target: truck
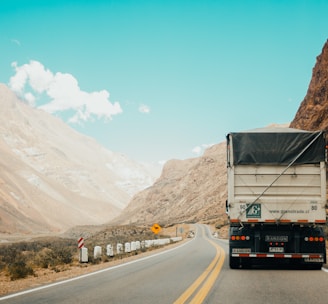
(276,205)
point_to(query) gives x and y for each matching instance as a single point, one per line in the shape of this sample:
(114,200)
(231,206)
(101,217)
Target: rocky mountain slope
(195,189)
(53,178)
(50,182)
(190,190)
(313,112)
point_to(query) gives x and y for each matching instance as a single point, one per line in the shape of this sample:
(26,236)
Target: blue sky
(157,80)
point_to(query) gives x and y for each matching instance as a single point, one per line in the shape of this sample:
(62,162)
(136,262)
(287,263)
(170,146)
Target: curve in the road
(210,274)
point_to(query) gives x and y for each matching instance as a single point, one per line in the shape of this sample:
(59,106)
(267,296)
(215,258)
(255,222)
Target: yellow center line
(211,273)
(202,293)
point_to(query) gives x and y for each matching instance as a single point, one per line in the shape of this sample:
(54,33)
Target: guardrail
(127,247)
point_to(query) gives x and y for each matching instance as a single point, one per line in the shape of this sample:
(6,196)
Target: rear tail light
(240,238)
(314,239)
(277,244)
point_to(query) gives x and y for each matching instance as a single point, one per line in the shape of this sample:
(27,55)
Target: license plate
(241,250)
(313,260)
(276,249)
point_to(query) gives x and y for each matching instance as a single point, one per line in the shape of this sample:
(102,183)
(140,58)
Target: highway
(195,272)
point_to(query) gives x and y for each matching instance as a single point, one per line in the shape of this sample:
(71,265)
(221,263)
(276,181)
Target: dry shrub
(19,269)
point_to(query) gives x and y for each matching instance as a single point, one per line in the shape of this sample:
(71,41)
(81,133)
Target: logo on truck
(253,210)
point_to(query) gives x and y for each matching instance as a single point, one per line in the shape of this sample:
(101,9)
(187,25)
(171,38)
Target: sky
(162,79)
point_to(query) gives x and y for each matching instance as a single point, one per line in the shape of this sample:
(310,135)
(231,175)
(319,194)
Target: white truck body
(296,196)
(276,196)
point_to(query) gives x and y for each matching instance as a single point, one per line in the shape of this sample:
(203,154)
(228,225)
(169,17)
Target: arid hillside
(195,189)
(53,178)
(312,114)
(191,190)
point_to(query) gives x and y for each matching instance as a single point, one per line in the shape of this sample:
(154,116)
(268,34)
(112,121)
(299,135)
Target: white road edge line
(89,274)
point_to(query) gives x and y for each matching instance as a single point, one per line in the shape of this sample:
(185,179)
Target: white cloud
(144,109)
(33,74)
(198,150)
(63,92)
(17,42)
(30,98)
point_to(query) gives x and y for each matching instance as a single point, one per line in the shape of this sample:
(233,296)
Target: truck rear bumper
(308,257)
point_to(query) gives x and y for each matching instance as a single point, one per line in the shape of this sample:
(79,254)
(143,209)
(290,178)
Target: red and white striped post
(83,250)
(80,242)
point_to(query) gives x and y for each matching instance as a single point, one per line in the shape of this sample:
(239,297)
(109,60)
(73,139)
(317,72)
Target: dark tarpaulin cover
(262,147)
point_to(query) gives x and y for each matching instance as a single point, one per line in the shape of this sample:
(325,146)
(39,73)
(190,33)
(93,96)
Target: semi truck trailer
(276,197)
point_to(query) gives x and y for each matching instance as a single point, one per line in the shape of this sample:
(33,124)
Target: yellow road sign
(156,228)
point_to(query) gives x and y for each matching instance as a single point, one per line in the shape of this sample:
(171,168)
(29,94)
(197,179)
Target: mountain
(53,178)
(195,189)
(190,190)
(312,114)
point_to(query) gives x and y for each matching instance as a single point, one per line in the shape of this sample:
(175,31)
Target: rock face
(51,182)
(312,114)
(188,191)
(53,178)
(195,189)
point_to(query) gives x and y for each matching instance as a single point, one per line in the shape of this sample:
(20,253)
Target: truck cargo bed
(297,196)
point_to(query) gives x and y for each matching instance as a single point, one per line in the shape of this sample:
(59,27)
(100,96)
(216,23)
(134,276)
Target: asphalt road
(196,272)
(274,285)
